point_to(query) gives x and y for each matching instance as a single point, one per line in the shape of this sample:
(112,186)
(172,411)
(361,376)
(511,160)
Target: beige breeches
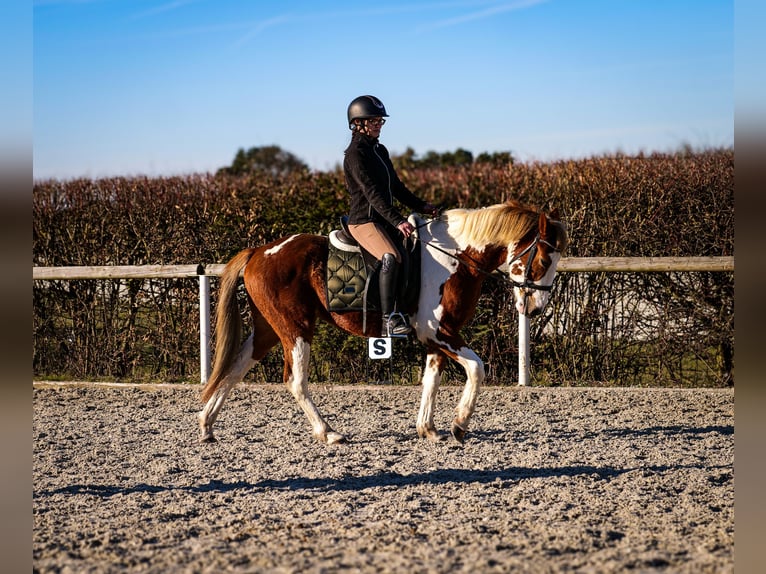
(374,239)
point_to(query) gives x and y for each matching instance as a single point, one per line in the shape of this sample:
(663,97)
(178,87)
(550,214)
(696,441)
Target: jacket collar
(364,138)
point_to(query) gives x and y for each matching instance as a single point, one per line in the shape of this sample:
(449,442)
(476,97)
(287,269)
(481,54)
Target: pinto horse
(285,284)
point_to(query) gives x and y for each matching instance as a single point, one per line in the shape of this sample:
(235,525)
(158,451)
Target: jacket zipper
(388,177)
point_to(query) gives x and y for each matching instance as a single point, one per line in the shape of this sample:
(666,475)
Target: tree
(496,159)
(269,159)
(457,158)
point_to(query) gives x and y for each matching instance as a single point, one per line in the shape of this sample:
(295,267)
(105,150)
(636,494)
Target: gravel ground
(549,480)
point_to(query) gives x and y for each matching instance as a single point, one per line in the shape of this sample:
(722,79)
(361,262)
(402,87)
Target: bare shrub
(600,328)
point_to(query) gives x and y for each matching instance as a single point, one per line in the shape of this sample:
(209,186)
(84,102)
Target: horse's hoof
(207,438)
(459,433)
(433,435)
(437,436)
(336,438)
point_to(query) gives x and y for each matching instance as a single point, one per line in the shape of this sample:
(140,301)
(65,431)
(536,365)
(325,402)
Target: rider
(376,224)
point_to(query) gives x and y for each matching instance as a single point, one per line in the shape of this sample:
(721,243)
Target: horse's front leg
(296,379)
(432,376)
(474,370)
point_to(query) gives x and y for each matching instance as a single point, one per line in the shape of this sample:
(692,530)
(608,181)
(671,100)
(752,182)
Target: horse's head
(532,263)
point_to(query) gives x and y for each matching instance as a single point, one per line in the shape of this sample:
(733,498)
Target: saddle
(352,273)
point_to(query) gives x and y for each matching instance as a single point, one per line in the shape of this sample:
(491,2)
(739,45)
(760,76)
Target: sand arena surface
(578,480)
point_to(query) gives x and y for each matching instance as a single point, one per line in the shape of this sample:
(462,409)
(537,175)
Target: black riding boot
(394,323)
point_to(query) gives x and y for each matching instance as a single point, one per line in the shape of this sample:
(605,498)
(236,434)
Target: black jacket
(373,184)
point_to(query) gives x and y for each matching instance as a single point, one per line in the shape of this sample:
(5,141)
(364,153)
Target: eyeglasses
(376,121)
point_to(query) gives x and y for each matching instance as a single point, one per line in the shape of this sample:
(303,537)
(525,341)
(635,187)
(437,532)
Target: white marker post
(381,348)
(523,350)
(204,327)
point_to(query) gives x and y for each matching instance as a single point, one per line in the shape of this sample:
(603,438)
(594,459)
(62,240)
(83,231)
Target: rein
(502,277)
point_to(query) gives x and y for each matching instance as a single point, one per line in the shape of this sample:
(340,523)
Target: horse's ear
(542,225)
(554,214)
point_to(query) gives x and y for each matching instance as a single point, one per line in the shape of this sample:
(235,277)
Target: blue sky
(135,87)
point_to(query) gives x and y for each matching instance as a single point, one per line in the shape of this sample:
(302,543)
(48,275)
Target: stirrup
(395,325)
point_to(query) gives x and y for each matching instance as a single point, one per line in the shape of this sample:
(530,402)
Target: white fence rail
(204,272)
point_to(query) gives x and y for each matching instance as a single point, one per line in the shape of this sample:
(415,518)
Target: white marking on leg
(474,370)
(274,250)
(298,384)
(431,381)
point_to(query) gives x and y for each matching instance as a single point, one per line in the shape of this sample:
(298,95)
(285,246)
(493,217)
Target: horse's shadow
(436,477)
(666,431)
(359,483)
(674,430)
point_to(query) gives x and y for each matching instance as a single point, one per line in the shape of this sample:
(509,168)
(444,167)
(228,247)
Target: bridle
(526,285)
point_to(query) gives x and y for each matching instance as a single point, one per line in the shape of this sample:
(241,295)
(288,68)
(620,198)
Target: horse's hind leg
(296,378)
(474,370)
(243,363)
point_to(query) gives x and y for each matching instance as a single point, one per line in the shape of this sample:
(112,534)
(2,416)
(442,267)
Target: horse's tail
(228,322)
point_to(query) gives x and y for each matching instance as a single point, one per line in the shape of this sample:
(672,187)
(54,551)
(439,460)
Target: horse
(285,285)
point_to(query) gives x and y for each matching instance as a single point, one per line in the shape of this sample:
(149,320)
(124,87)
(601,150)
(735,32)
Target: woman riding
(373,220)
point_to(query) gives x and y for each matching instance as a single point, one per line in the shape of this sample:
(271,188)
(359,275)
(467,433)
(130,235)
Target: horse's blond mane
(494,225)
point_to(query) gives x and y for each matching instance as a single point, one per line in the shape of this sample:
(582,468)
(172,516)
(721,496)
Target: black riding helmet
(365,107)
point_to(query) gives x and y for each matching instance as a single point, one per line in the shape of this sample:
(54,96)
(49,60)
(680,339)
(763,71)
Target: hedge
(652,329)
